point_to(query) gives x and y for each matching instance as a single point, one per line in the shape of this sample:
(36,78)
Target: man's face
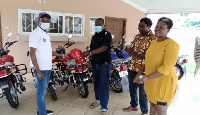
(99,23)
(143,28)
(44,20)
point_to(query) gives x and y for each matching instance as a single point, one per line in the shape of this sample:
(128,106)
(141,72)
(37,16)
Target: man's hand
(127,49)
(130,51)
(40,75)
(85,53)
(66,55)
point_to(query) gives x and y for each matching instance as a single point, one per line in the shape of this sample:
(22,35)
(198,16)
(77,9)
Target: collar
(149,33)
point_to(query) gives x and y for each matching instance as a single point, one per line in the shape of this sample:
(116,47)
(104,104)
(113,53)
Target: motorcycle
(180,66)
(120,61)
(11,78)
(71,70)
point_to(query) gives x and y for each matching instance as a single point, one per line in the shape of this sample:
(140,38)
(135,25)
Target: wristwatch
(90,53)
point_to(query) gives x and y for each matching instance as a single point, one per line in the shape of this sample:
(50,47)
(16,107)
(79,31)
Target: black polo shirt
(101,39)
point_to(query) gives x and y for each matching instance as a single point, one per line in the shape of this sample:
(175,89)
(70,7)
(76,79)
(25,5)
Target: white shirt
(41,41)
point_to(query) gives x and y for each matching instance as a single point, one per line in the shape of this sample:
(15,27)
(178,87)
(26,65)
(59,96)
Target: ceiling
(165,6)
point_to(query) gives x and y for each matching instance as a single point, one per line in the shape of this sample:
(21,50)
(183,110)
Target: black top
(101,39)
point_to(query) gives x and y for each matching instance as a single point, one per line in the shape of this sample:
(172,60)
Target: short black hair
(101,20)
(167,21)
(147,21)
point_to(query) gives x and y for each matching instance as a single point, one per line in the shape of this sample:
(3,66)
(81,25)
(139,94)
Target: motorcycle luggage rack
(19,70)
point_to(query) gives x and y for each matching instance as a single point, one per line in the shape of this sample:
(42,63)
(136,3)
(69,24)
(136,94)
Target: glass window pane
(35,20)
(69,25)
(77,25)
(56,24)
(26,22)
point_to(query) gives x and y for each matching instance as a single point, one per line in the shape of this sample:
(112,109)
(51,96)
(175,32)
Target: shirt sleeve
(34,40)
(170,58)
(107,40)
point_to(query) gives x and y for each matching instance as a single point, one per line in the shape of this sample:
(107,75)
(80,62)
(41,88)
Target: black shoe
(49,112)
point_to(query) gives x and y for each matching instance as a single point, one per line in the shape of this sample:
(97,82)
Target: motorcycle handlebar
(11,43)
(69,44)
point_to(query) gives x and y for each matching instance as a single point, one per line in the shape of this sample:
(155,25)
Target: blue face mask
(98,29)
(45,26)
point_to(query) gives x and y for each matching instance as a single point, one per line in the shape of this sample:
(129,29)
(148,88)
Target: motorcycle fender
(4,83)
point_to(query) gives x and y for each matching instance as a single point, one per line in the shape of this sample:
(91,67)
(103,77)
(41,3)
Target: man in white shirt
(41,57)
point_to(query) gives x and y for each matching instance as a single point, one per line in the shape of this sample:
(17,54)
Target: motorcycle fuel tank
(75,53)
(7,58)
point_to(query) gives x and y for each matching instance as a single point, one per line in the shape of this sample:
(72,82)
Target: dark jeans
(133,93)
(101,75)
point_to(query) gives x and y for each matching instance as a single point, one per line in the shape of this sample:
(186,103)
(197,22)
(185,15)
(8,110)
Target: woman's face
(161,30)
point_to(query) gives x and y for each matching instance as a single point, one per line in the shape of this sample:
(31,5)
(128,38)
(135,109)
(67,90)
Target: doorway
(117,27)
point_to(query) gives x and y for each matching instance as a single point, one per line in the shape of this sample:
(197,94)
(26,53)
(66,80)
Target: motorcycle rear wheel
(115,82)
(179,71)
(11,96)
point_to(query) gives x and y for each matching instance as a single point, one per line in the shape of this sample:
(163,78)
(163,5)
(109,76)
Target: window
(61,23)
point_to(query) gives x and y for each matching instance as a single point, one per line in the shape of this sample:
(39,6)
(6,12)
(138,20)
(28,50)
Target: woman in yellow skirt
(160,79)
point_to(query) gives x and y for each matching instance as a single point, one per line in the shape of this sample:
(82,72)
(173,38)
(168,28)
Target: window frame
(20,26)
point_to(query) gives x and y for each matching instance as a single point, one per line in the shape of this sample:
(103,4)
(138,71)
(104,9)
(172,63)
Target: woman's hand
(142,79)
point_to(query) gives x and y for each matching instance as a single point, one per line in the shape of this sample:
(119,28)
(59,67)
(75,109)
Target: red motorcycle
(11,79)
(71,70)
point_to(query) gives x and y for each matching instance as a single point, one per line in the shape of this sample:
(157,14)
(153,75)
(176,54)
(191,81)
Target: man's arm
(96,51)
(34,61)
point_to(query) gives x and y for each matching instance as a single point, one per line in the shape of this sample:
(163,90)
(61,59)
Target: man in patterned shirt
(137,50)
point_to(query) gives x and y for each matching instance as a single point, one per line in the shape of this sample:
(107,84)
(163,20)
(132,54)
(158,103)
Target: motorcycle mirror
(9,34)
(112,36)
(70,36)
(123,37)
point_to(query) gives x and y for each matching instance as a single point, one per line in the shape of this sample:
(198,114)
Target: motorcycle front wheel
(115,82)
(82,86)
(11,96)
(179,71)
(52,92)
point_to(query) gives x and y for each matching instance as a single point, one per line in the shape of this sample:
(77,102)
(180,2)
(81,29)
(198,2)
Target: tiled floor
(186,102)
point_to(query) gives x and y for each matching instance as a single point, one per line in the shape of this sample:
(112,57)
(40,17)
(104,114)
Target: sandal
(94,105)
(104,113)
(128,109)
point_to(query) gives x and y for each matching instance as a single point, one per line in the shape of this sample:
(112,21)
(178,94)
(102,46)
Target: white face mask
(44,26)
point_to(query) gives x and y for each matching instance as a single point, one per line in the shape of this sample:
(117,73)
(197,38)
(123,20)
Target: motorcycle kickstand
(19,92)
(66,88)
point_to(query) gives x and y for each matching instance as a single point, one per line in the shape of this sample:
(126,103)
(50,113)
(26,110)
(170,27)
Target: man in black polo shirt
(100,47)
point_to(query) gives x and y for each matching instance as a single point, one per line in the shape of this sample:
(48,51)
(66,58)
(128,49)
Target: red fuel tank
(7,58)
(1,62)
(75,53)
